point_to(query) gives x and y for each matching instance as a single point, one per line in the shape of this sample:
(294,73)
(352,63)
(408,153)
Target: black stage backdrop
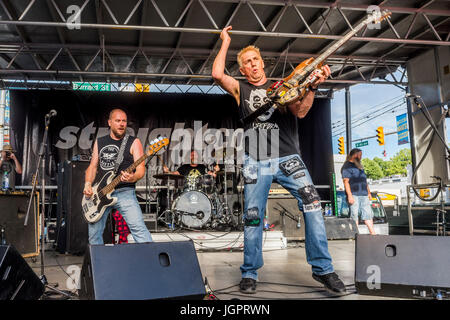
(81,116)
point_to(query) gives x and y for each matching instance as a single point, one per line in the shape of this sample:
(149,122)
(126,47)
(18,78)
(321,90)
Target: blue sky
(366,99)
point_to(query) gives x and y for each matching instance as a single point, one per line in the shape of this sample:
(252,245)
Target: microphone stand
(41,165)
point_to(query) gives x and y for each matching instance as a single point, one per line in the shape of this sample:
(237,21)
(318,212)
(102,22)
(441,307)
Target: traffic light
(380,136)
(341,145)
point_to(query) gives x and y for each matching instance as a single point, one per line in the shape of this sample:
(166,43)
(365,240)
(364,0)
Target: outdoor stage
(285,275)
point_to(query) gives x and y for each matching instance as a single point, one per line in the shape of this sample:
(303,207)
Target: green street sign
(91,86)
(362,144)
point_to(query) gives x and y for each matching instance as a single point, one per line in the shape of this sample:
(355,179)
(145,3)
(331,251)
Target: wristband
(313,89)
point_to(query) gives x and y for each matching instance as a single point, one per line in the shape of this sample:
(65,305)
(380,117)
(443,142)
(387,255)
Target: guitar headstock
(377,16)
(157,144)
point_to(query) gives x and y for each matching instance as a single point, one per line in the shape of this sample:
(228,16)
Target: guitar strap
(120,155)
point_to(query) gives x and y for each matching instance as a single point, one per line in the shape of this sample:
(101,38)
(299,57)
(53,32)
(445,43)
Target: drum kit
(201,202)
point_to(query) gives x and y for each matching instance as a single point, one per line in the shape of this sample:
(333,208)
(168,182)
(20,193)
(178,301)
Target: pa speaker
(13,210)
(141,271)
(402,266)
(17,280)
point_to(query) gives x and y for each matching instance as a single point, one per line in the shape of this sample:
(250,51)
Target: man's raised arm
(229,84)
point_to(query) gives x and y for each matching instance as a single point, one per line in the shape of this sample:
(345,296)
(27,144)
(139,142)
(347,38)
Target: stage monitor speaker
(17,280)
(141,271)
(13,210)
(402,266)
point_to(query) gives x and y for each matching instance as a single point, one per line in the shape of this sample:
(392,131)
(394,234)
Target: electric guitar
(95,206)
(296,85)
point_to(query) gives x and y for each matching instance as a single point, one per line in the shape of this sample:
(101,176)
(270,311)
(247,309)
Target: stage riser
(219,241)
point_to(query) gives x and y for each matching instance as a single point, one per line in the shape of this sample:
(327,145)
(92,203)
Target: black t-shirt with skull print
(108,151)
(273,134)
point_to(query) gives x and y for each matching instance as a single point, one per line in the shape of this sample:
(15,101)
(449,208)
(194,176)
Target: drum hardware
(200,203)
(166,177)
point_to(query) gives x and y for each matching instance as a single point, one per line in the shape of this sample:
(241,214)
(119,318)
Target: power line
(376,114)
(372,112)
(365,114)
(372,118)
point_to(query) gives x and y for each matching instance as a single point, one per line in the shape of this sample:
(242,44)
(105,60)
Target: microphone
(52,113)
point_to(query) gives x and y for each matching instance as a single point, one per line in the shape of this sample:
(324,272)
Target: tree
(399,162)
(384,165)
(372,169)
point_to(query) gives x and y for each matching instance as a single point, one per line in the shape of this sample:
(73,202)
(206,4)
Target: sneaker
(331,282)
(247,285)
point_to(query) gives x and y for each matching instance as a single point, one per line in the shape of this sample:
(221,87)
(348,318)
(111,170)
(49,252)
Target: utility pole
(348,119)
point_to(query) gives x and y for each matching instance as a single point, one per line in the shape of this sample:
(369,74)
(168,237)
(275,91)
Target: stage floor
(285,275)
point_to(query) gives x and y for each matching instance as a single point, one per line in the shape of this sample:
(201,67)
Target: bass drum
(194,208)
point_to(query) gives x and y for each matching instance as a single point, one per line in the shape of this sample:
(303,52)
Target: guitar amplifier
(283,213)
(13,210)
(277,191)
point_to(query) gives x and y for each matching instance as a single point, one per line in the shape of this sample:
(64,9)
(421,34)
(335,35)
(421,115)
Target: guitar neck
(322,57)
(110,187)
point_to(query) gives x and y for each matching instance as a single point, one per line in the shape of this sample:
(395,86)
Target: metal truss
(121,87)
(147,63)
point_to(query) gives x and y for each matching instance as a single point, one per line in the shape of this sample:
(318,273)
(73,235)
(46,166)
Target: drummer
(192,170)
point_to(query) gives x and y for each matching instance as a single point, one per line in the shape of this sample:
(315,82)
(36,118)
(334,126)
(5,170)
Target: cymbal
(168,176)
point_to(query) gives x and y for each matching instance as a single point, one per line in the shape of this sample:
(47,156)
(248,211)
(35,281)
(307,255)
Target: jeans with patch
(130,210)
(291,173)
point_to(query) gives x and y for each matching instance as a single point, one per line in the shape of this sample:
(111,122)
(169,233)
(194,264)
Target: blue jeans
(361,207)
(129,208)
(291,173)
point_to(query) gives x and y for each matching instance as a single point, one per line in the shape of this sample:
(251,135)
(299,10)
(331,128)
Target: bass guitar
(94,207)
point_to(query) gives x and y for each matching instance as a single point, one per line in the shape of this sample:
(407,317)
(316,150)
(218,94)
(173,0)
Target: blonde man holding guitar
(274,159)
(106,151)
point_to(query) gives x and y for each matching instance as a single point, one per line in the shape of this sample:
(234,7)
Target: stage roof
(175,41)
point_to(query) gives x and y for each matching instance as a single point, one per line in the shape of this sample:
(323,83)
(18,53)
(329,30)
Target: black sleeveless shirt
(277,132)
(108,151)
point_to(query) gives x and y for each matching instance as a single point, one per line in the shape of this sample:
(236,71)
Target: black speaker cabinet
(13,210)
(72,226)
(17,280)
(141,271)
(402,266)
